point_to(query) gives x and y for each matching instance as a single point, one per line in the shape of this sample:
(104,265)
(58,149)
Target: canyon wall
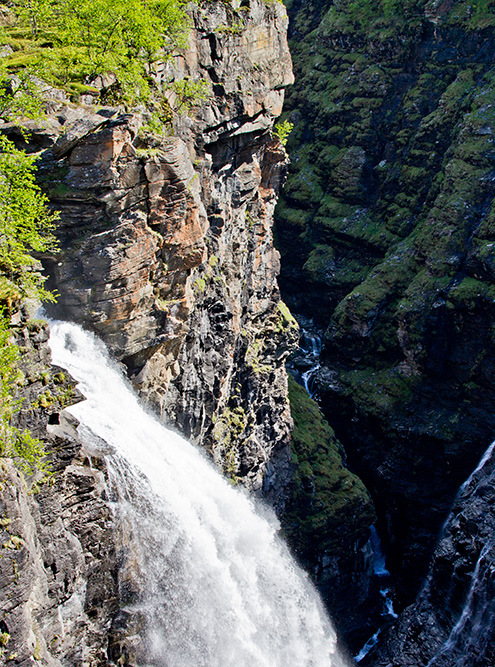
(166,252)
(387,222)
(167,249)
(451,621)
(58,568)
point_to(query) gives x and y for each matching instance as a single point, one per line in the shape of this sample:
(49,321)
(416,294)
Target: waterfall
(471,523)
(381,574)
(305,364)
(211,580)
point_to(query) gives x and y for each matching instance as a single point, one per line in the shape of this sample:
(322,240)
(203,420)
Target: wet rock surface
(167,254)
(58,588)
(451,622)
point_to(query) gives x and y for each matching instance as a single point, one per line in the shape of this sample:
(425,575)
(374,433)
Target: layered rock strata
(58,589)
(167,247)
(167,254)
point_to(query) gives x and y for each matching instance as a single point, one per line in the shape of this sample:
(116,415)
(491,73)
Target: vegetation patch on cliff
(26,228)
(87,46)
(327,505)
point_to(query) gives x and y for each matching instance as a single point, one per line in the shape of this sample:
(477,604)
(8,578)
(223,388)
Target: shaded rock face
(167,249)
(452,621)
(327,519)
(387,222)
(58,588)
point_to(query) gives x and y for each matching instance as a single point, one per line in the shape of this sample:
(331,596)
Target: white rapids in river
(217,587)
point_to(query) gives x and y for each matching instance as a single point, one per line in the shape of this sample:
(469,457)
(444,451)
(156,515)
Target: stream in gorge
(454,615)
(304,366)
(207,577)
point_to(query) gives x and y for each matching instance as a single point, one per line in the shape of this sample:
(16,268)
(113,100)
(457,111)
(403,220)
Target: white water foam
(217,587)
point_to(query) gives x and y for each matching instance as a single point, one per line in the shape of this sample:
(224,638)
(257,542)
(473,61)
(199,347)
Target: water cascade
(305,364)
(383,576)
(468,599)
(211,582)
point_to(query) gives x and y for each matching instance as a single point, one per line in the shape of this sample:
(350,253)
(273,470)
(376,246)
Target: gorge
(167,252)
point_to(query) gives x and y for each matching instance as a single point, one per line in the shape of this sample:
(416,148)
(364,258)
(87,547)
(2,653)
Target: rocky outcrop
(387,221)
(327,522)
(166,252)
(166,242)
(453,619)
(58,580)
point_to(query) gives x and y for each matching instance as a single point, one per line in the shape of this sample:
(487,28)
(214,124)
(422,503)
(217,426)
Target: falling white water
(310,348)
(217,588)
(476,619)
(484,459)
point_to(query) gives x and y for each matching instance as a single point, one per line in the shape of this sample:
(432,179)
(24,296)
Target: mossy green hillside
(328,507)
(372,139)
(388,222)
(389,188)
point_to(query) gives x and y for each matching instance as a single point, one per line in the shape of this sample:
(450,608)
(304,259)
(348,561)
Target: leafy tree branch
(80,39)
(26,227)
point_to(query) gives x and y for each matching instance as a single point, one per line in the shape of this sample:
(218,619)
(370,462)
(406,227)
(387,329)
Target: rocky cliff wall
(452,621)
(167,254)
(387,221)
(167,246)
(58,591)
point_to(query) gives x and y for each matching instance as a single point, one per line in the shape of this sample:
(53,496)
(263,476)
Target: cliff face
(452,620)
(58,589)
(387,221)
(167,254)
(327,521)
(167,246)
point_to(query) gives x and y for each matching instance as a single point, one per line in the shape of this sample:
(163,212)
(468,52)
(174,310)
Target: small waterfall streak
(468,636)
(372,641)
(484,459)
(203,569)
(473,617)
(464,490)
(306,363)
(379,567)
(380,571)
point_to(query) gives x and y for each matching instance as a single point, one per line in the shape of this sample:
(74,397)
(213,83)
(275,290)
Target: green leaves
(19,96)
(26,225)
(26,451)
(283,130)
(123,38)
(34,12)
(188,93)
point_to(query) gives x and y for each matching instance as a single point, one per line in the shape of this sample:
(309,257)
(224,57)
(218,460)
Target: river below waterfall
(202,566)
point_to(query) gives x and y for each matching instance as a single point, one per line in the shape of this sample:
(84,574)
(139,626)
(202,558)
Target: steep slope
(58,591)
(452,620)
(167,245)
(327,521)
(166,252)
(387,222)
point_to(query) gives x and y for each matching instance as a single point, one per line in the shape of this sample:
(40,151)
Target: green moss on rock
(327,505)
